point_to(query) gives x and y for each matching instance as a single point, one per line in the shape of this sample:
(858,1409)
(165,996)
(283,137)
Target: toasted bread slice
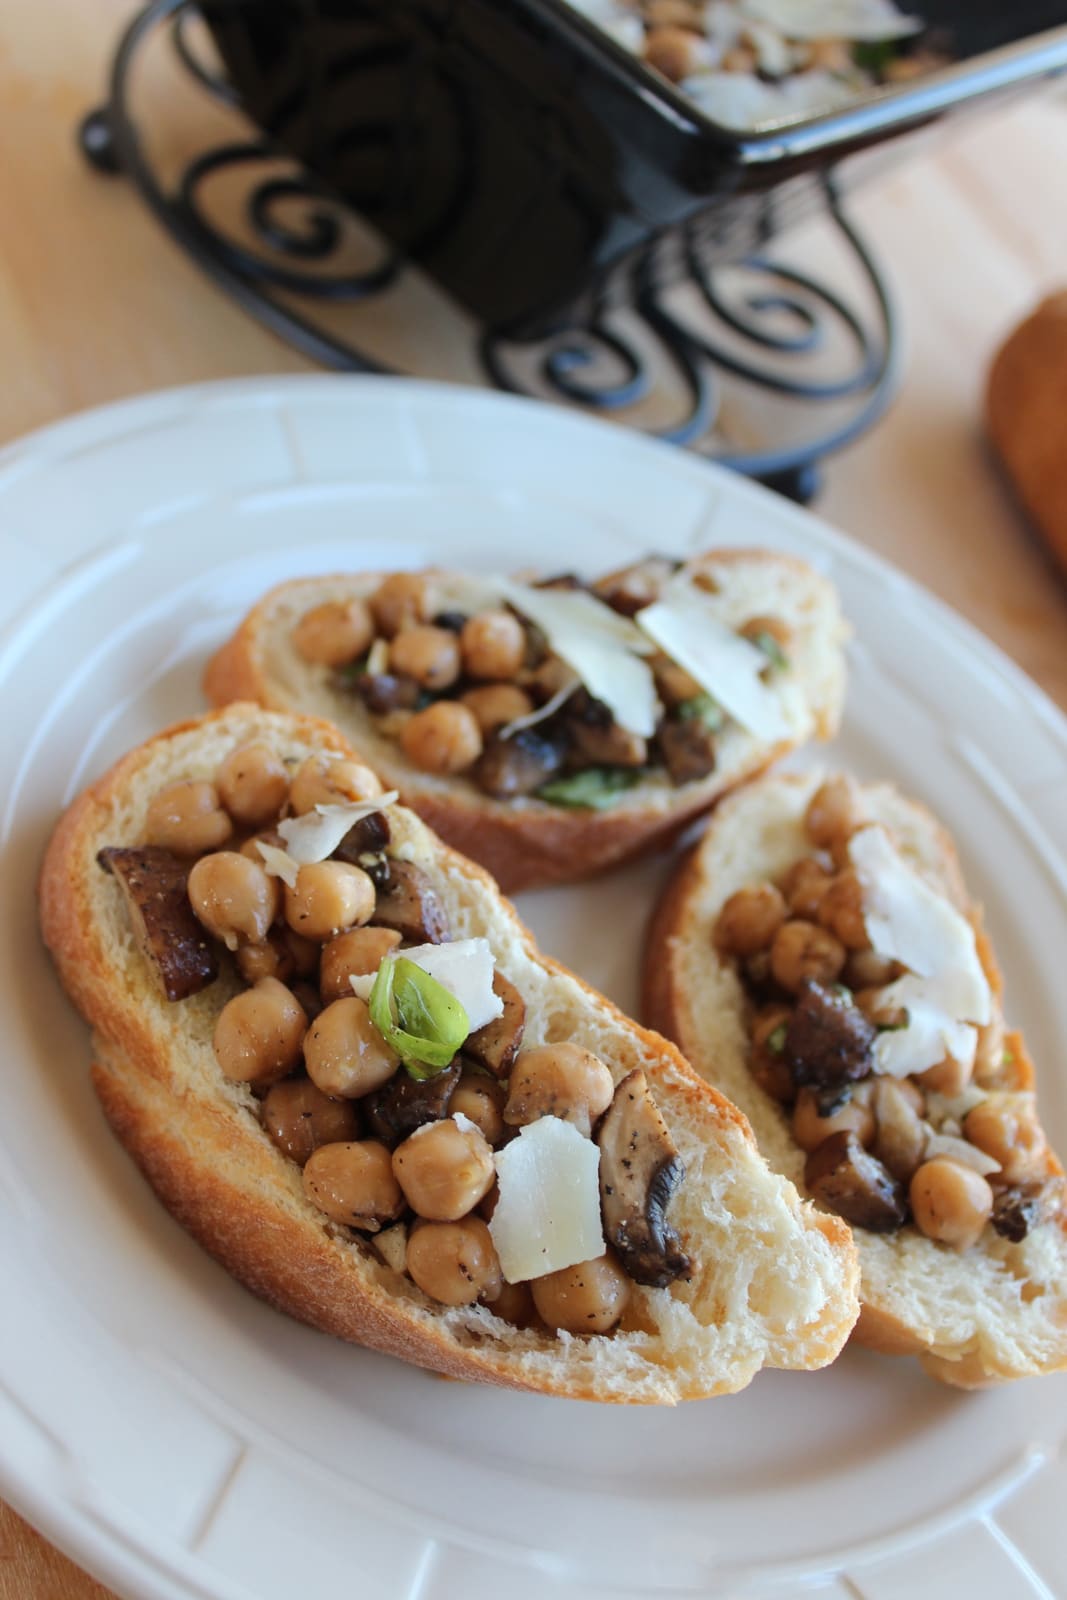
(774,1282)
(995,1311)
(526,841)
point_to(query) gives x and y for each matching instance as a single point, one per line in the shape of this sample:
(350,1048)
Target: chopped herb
(702,708)
(765,641)
(1007,1058)
(591,789)
(776,1039)
(423,1022)
(874,55)
(348,676)
(894,1027)
(843,992)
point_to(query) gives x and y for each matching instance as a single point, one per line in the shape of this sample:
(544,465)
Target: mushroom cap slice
(828,1040)
(497,1044)
(154,883)
(408,902)
(845,1178)
(640,1169)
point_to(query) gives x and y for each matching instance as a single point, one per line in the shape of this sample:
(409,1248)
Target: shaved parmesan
(728,667)
(601,646)
(362,983)
(910,922)
(867,20)
(316,835)
(548,1212)
(931,1034)
(960,1151)
(277,863)
(465,968)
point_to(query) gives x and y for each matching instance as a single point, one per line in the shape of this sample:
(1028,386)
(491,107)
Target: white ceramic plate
(178,1438)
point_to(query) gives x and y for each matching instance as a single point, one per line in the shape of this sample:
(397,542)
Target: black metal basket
(519,156)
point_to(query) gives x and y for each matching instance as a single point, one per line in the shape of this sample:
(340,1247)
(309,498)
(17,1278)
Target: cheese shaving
(960,1151)
(278,863)
(728,667)
(602,647)
(316,835)
(547,1215)
(869,21)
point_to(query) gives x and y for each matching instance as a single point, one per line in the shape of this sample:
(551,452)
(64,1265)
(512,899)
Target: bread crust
(681,923)
(531,843)
(203,1150)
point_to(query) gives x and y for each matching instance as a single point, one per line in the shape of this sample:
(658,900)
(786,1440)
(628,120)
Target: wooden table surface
(96,304)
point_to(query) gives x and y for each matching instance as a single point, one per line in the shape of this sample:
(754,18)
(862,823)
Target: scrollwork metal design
(760,323)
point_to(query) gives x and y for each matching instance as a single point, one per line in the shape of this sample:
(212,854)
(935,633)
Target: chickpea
(1005,1126)
(749,920)
(480,1098)
(841,910)
(950,1203)
(775,628)
(675,685)
(270,959)
(804,950)
(588,1298)
(833,813)
(865,969)
(676,52)
(493,645)
(427,654)
(950,1076)
(558,1080)
(300,1117)
(357,953)
(259,1034)
(444,738)
(444,1170)
(810,1128)
(345,1054)
(320,781)
(454,1262)
(513,1304)
(334,633)
(329,897)
(768,1066)
(253,784)
(234,899)
(741,58)
(400,601)
(353,1182)
(989,1055)
(804,887)
(496,704)
(829,55)
(187,819)
(674,14)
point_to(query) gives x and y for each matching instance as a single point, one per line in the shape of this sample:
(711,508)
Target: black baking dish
(518,155)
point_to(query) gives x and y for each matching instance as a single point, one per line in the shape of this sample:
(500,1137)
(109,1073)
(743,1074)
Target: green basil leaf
(417,1016)
(592,789)
(766,642)
(874,55)
(348,676)
(701,708)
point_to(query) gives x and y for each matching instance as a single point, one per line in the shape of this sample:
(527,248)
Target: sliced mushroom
(408,902)
(639,1172)
(687,746)
(900,1133)
(828,1040)
(519,765)
(1025,1206)
(596,738)
(405,1103)
(848,1180)
(632,588)
(368,836)
(154,884)
(497,1044)
(382,692)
